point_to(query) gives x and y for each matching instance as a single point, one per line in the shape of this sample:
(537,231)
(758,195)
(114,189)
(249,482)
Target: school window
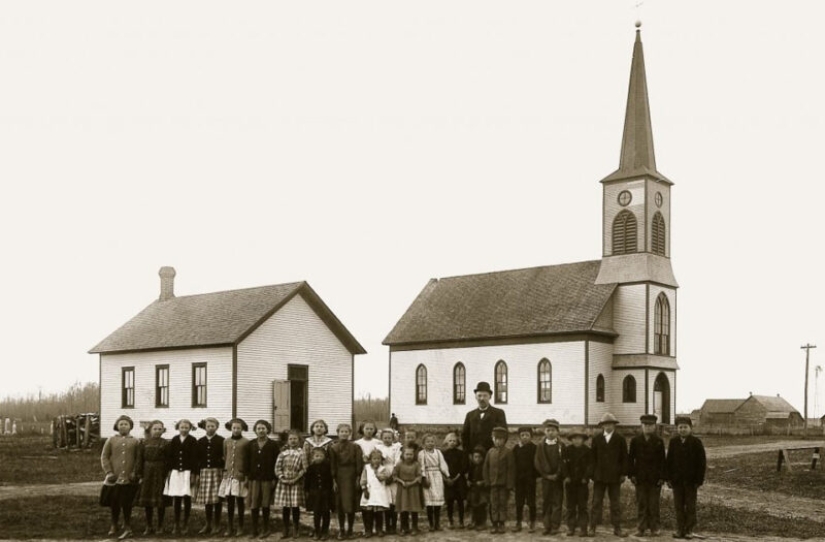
(501,382)
(657,235)
(459,384)
(127,397)
(624,233)
(545,391)
(421,385)
(198,384)
(629,390)
(161,386)
(600,389)
(661,326)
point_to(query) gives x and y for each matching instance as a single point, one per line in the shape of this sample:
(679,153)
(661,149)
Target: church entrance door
(661,398)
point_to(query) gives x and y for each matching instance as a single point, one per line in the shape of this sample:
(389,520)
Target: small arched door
(661,398)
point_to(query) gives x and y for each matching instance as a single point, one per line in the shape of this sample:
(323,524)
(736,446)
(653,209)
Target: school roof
(549,300)
(774,404)
(214,319)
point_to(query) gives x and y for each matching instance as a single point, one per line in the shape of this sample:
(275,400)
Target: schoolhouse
(569,341)
(274,352)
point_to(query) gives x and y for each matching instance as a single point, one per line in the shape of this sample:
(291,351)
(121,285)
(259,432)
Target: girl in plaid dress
(236,465)
(210,460)
(263,454)
(289,493)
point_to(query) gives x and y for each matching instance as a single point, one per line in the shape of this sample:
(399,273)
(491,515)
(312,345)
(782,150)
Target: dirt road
(720,452)
(46,490)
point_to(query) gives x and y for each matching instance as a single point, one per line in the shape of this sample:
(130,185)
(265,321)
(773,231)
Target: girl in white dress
(375,497)
(391,450)
(367,442)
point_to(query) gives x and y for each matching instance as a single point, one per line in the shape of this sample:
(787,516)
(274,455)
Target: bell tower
(636,249)
(636,197)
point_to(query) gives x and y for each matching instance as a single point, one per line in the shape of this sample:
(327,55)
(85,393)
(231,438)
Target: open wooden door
(281,405)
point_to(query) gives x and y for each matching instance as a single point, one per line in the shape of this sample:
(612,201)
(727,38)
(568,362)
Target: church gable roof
(219,318)
(506,304)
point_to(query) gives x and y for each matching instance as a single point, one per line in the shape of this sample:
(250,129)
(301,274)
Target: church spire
(637,157)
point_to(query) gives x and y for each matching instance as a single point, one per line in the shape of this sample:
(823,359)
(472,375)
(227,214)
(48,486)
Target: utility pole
(807,349)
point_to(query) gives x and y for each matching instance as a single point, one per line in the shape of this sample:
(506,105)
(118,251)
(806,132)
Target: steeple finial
(637,156)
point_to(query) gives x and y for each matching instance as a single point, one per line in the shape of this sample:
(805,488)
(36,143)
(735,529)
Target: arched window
(421,385)
(624,233)
(657,235)
(545,382)
(600,389)
(629,389)
(459,384)
(661,326)
(501,382)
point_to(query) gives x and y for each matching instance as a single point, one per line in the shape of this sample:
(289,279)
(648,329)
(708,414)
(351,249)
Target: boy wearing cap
(576,460)
(609,458)
(686,465)
(550,468)
(525,454)
(646,468)
(500,477)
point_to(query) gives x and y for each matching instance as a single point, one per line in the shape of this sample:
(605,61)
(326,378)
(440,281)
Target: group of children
(384,478)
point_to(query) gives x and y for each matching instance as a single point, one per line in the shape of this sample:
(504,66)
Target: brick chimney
(167,283)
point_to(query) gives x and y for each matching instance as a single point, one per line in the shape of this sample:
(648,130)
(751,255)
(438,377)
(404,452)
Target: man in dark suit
(646,468)
(479,423)
(609,460)
(686,465)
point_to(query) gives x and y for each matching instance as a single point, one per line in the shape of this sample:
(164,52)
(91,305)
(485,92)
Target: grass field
(31,461)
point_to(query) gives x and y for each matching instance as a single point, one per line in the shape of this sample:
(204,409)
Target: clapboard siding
(522,407)
(601,360)
(627,413)
(655,290)
(612,208)
(295,335)
(218,394)
(629,319)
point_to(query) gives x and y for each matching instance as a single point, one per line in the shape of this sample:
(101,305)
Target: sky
(366,147)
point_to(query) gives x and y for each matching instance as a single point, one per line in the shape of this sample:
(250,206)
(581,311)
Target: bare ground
(719,452)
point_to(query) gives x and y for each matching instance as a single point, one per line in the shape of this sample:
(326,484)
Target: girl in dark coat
(263,454)
(346,462)
(152,470)
(456,485)
(182,460)
(319,494)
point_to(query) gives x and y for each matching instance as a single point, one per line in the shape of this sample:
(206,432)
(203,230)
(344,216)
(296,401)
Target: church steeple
(637,157)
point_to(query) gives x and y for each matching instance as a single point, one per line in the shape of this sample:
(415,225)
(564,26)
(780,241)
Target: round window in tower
(625,197)
(659,199)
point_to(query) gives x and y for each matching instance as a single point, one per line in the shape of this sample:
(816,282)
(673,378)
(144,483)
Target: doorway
(661,398)
(298,376)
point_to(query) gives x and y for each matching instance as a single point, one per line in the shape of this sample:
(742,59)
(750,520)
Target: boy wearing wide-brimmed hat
(686,464)
(500,477)
(578,469)
(548,463)
(646,468)
(609,457)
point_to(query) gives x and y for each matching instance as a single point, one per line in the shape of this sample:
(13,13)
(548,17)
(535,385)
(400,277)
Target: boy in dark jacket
(609,456)
(525,452)
(576,460)
(646,468)
(477,493)
(500,477)
(548,463)
(686,465)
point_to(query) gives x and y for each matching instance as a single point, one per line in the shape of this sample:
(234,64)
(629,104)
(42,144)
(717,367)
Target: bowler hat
(483,386)
(551,423)
(608,418)
(228,424)
(127,418)
(685,420)
(648,418)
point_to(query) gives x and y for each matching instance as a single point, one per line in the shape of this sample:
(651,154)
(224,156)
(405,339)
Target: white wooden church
(274,352)
(568,341)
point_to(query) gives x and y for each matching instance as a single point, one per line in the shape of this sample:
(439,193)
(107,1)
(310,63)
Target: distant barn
(757,412)
(274,352)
